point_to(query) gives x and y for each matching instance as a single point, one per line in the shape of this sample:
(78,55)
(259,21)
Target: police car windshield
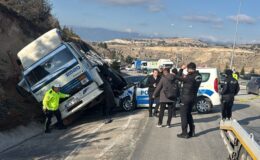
(53,65)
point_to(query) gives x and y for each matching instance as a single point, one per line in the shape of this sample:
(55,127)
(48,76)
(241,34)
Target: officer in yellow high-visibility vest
(235,76)
(51,106)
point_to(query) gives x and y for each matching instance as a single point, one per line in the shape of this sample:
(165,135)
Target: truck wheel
(203,105)
(127,104)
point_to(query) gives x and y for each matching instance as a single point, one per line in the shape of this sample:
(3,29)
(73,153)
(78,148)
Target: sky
(213,20)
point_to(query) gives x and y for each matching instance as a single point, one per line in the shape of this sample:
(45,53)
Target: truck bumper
(86,96)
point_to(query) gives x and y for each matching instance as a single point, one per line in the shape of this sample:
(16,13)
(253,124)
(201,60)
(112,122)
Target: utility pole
(235,37)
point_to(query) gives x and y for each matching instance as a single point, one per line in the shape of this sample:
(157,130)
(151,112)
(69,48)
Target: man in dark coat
(166,86)
(175,72)
(152,83)
(230,88)
(191,84)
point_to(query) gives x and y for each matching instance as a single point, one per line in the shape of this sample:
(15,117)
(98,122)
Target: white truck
(48,60)
(165,63)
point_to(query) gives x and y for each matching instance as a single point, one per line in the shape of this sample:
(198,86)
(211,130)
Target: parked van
(165,63)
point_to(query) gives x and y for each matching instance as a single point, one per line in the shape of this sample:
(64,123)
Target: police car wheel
(127,104)
(203,105)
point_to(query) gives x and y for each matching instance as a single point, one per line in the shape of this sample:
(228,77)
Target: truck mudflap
(239,143)
(79,101)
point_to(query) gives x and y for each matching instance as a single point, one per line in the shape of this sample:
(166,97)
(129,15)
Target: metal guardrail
(240,144)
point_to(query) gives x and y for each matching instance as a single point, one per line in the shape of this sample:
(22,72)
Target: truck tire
(127,104)
(203,105)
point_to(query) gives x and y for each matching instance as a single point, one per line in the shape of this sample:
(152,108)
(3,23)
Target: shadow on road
(246,121)
(207,119)
(207,131)
(237,107)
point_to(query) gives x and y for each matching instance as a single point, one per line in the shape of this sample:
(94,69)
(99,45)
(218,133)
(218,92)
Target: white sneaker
(168,126)
(159,126)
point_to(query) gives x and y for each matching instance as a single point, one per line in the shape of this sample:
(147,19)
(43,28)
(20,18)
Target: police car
(208,95)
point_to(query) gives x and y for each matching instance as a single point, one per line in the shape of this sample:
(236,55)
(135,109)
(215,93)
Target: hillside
(19,27)
(187,49)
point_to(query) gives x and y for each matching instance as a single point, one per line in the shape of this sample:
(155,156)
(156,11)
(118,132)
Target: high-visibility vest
(235,76)
(51,100)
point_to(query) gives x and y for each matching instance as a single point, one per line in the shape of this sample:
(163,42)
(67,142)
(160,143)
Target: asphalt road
(135,136)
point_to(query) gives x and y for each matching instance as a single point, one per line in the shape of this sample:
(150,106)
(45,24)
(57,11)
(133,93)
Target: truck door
(142,98)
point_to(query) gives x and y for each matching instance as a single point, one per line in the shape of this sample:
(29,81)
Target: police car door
(142,98)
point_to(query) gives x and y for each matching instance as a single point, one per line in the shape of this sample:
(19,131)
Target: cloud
(243,18)
(155,8)
(203,19)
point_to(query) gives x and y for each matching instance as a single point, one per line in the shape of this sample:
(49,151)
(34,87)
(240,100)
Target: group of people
(165,90)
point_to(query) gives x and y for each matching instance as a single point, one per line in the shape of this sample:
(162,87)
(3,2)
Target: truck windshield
(52,66)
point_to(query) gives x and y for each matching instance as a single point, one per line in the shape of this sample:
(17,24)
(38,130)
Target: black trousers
(226,108)
(162,109)
(151,102)
(187,103)
(49,115)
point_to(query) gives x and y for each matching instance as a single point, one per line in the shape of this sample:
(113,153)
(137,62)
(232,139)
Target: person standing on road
(175,72)
(51,106)
(229,89)
(191,84)
(167,88)
(109,99)
(152,83)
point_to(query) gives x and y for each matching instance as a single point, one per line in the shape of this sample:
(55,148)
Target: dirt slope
(15,32)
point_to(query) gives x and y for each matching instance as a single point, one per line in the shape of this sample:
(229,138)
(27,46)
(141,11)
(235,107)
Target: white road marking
(79,146)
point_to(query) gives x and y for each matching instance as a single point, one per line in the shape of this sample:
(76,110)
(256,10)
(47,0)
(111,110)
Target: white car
(208,95)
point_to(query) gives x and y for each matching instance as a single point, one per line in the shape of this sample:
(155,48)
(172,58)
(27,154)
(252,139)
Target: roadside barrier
(240,144)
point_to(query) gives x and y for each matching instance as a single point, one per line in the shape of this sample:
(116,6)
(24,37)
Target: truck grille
(74,86)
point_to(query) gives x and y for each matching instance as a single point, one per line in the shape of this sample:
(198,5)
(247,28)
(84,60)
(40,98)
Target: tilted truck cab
(48,61)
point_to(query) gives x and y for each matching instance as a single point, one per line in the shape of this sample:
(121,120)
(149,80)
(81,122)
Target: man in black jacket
(230,88)
(191,84)
(152,83)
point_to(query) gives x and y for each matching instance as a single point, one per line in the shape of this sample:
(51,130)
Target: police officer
(191,84)
(51,106)
(230,88)
(152,83)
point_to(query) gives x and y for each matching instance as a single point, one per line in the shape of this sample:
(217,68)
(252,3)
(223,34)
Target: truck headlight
(72,102)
